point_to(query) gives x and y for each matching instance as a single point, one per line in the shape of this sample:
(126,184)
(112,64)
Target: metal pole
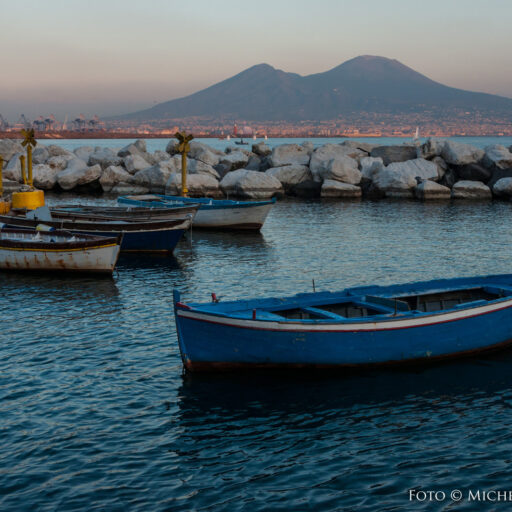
(184,190)
(23,175)
(1,182)
(29,166)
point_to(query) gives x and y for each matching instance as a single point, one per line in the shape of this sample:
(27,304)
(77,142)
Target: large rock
(343,168)
(321,159)
(40,155)
(193,166)
(78,173)
(12,171)
(172,147)
(250,184)
(307,189)
(134,163)
(254,163)
(204,153)
(497,156)
(498,174)
(261,149)
(84,152)
(473,172)
(457,153)
(442,166)
(289,154)
(503,188)
(160,156)
(370,165)
(430,190)
(9,147)
(199,185)
(113,176)
(471,190)
(337,189)
(105,157)
(45,177)
(235,160)
(390,154)
(54,150)
(290,175)
(400,178)
(363,146)
(140,144)
(130,149)
(432,148)
(59,162)
(154,178)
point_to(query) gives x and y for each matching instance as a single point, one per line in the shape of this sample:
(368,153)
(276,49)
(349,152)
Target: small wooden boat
(122,212)
(212,213)
(357,327)
(22,249)
(150,236)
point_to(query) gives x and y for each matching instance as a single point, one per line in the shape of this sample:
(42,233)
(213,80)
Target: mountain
(366,83)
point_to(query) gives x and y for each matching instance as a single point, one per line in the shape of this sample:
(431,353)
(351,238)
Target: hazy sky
(111,56)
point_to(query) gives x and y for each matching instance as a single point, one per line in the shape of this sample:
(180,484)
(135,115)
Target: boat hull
(216,342)
(100,259)
(212,214)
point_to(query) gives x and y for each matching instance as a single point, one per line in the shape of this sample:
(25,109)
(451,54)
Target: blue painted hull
(229,341)
(146,241)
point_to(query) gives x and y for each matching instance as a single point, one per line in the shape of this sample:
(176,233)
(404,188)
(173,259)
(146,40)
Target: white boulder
(457,153)
(250,184)
(337,189)
(234,160)
(369,166)
(54,150)
(503,187)
(105,157)
(113,176)
(122,189)
(9,147)
(45,177)
(322,156)
(289,154)
(198,185)
(160,156)
(497,155)
(430,190)
(290,175)
(153,178)
(78,173)
(466,189)
(84,152)
(59,162)
(261,149)
(12,171)
(134,163)
(40,155)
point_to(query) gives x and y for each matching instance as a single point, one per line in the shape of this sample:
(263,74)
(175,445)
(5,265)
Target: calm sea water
(96,414)
(155,144)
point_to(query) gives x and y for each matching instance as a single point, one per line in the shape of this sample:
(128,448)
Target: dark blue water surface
(95,413)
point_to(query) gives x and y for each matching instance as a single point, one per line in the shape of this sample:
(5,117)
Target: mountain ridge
(365,83)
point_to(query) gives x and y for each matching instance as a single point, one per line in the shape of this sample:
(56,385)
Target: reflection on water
(96,414)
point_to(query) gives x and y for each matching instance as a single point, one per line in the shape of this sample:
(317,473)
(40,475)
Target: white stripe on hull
(100,259)
(231,216)
(349,327)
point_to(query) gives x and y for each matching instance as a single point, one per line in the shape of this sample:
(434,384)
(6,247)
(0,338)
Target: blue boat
(357,327)
(147,236)
(212,213)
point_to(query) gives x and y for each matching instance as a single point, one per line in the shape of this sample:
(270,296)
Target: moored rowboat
(212,213)
(141,236)
(356,327)
(22,249)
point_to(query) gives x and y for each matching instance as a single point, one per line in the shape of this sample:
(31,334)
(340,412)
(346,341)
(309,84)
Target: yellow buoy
(29,200)
(32,198)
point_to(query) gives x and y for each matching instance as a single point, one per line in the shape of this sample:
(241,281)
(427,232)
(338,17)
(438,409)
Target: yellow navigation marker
(184,148)
(33,198)
(5,206)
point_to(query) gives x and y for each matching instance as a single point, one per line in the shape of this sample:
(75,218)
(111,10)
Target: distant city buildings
(431,123)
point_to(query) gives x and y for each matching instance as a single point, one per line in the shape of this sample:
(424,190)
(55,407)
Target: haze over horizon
(111,57)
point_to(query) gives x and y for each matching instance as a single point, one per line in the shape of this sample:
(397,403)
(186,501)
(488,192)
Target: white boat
(25,249)
(212,213)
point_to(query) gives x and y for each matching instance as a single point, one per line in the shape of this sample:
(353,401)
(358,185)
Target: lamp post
(184,148)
